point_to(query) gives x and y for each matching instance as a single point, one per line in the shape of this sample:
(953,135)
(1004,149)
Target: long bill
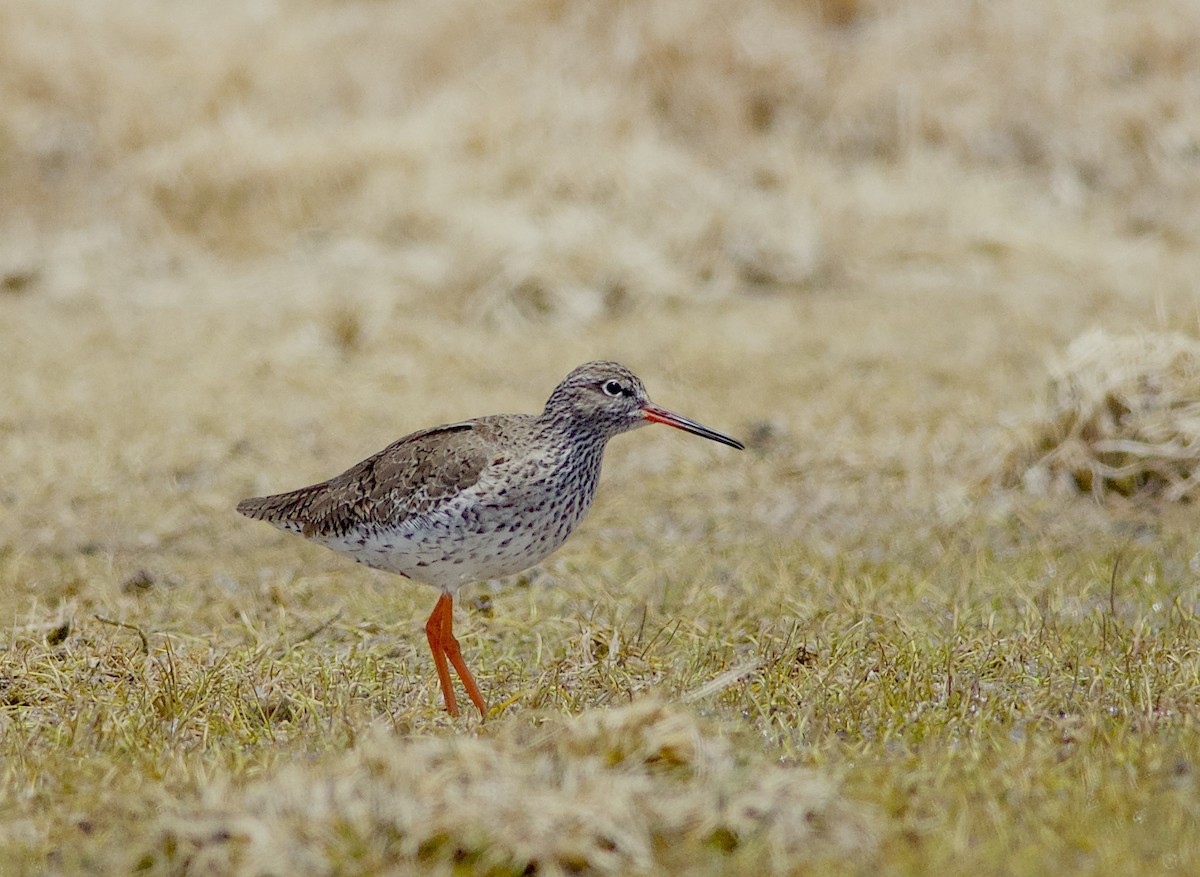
(661,415)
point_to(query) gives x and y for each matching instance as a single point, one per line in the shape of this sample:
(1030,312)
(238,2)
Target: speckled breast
(513,518)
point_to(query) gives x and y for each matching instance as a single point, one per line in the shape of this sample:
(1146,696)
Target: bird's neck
(573,440)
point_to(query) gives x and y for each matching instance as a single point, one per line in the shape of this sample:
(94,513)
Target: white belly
(480,535)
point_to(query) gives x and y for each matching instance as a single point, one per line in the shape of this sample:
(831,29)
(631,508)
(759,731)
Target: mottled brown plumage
(474,500)
(411,476)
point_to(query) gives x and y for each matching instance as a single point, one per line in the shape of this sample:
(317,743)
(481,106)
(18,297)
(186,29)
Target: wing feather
(412,476)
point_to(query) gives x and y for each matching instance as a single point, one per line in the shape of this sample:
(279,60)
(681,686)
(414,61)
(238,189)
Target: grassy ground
(241,248)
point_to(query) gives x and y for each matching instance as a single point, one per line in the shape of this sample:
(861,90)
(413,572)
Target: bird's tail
(287,511)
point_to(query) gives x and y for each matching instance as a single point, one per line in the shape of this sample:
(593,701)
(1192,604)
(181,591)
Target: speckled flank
(516,514)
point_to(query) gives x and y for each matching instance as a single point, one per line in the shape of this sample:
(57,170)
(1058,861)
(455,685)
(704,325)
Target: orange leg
(440,632)
(433,632)
(454,653)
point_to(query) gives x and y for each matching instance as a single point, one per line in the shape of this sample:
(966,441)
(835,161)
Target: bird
(475,500)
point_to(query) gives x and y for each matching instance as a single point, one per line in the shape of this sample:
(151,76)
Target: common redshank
(475,500)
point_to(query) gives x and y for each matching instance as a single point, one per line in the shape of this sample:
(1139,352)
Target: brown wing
(411,476)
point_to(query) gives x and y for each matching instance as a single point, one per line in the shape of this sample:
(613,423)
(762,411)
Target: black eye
(613,388)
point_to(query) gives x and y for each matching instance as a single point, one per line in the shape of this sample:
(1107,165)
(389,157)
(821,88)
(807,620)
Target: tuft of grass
(639,788)
(1124,420)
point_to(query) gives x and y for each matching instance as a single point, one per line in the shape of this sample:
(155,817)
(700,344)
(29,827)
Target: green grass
(993,710)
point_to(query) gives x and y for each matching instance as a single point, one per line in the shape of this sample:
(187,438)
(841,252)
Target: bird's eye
(613,388)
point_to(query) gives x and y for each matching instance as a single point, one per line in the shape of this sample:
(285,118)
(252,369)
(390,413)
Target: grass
(985,712)
(824,228)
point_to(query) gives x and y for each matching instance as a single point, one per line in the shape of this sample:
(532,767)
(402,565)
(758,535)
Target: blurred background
(243,245)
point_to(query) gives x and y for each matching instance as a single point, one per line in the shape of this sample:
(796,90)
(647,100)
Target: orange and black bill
(661,415)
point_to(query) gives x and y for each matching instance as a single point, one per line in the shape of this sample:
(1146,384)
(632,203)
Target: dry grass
(242,246)
(626,791)
(1124,419)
